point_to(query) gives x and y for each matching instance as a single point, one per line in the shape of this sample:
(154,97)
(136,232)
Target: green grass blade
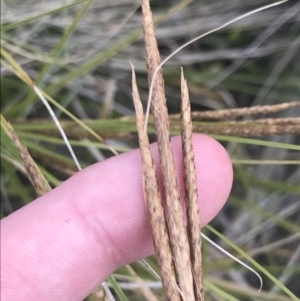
(49,153)
(117,288)
(55,53)
(282,222)
(257,142)
(219,291)
(271,185)
(254,263)
(50,178)
(60,141)
(31,19)
(105,55)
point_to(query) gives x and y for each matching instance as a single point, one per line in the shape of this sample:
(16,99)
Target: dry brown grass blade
(191,191)
(154,207)
(230,113)
(176,227)
(34,174)
(99,294)
(143,286)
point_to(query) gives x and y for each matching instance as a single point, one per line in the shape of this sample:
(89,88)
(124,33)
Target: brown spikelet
(244,128)
(154,205)
(240,129)
(34,174)
(176,227)
(191,191)
(230,113)
(267,121)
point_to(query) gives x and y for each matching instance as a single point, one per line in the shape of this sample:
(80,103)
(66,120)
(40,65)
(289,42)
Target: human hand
(67,242)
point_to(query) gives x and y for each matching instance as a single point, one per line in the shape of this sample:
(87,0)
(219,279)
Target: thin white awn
(57,123)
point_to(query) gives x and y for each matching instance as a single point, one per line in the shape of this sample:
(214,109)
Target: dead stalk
(191,191)
(154,205)
(146,291)
(99,294)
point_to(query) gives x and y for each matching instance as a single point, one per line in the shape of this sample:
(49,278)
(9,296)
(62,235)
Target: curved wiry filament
(252,12)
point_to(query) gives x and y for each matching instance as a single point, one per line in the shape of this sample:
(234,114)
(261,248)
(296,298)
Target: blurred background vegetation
(78,52)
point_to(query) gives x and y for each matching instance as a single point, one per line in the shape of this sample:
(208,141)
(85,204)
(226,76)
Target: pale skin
(67,242)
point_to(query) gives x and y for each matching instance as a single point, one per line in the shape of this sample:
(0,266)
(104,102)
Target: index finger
(64,244)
